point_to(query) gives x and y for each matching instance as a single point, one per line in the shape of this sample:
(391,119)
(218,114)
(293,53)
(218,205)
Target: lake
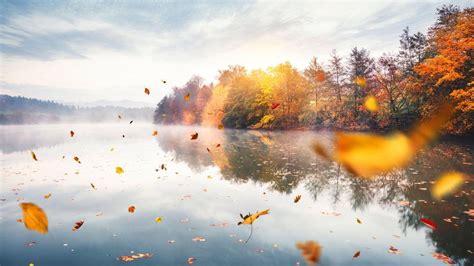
(199,194)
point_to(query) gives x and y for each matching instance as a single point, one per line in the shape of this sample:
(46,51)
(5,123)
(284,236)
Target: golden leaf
(360,81)
(119,170)
(220,126)
(155,133)
(187,96)
(371,104)
(311,251)
(250,218)
(158,219)
(34,156)
(47,196)
(34,218)
(447,184)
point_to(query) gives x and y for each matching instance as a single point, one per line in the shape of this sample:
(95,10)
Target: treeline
(407,86)
(21,110)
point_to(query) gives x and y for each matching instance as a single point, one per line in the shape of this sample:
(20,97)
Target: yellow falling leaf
(119,170)
(368,155)
(34,156)
(371,104)
(47,196)
(158,219)
(360,81)
(359,221)
(447,184)
(250,218)
(187,96)
(34,218)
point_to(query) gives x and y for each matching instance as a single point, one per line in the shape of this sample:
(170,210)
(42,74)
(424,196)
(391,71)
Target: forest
(352,92)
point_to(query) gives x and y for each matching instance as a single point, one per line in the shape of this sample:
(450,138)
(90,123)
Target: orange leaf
(311,251)
(297,198)
(34,218)
(357,254)
(131,209)
(194,136)
(147,91)
(34,156)
(77,225)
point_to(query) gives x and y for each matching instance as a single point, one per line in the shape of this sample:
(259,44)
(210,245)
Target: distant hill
(21,110)
(107,103)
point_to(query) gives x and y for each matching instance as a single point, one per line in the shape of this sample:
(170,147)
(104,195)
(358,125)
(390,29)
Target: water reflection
(210,181)
(283,161)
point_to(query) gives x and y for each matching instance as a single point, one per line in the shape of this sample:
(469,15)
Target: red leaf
(275,106)
(429,223)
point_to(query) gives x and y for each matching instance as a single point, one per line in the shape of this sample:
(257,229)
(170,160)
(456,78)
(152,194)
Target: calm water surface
(201,193)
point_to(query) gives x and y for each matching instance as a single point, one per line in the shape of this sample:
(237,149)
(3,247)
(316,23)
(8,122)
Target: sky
(88,51)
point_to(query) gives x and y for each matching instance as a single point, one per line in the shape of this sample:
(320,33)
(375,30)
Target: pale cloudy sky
(82,51)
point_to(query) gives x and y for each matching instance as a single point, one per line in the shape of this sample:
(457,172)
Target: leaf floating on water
(131,209)
(275,106)
(250,218)
(191,260)
(194,136)
(187,96)
(34,156)
(371,104)
(147,91)
(155,133)
(34,218)
(447,184)
(77,225)
(297,198)
(319,149)
(429,223)
(158,220)
(133,257)
(77,159)
(359,221)
(311,251)
(199,239)
(71,133)
(393,250)
(119,170)
(47,196)
(361,154)
(356,255)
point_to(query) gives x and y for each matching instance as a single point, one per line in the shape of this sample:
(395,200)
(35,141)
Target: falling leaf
(199,239)
(429,223)
(275,106)
(393,250)
(34,218)
(371,104)
(250,218)
(155,133)
(131,209)
(164,81)
(71,133)
(131,121)
(311,251)
(34,156)
(47,196)
(218,145)
(297,198)
(77,159)
(360,81)
(220,126)
(92,185)
(133,257)
(319,149)
(194,136)
(119,170)
(447,184)
(187,96)
(359,221)
(158,219)
(367,155)
(77,225)
(443,258)
(119,117)
(356,255)
(191,260)
(147,91)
